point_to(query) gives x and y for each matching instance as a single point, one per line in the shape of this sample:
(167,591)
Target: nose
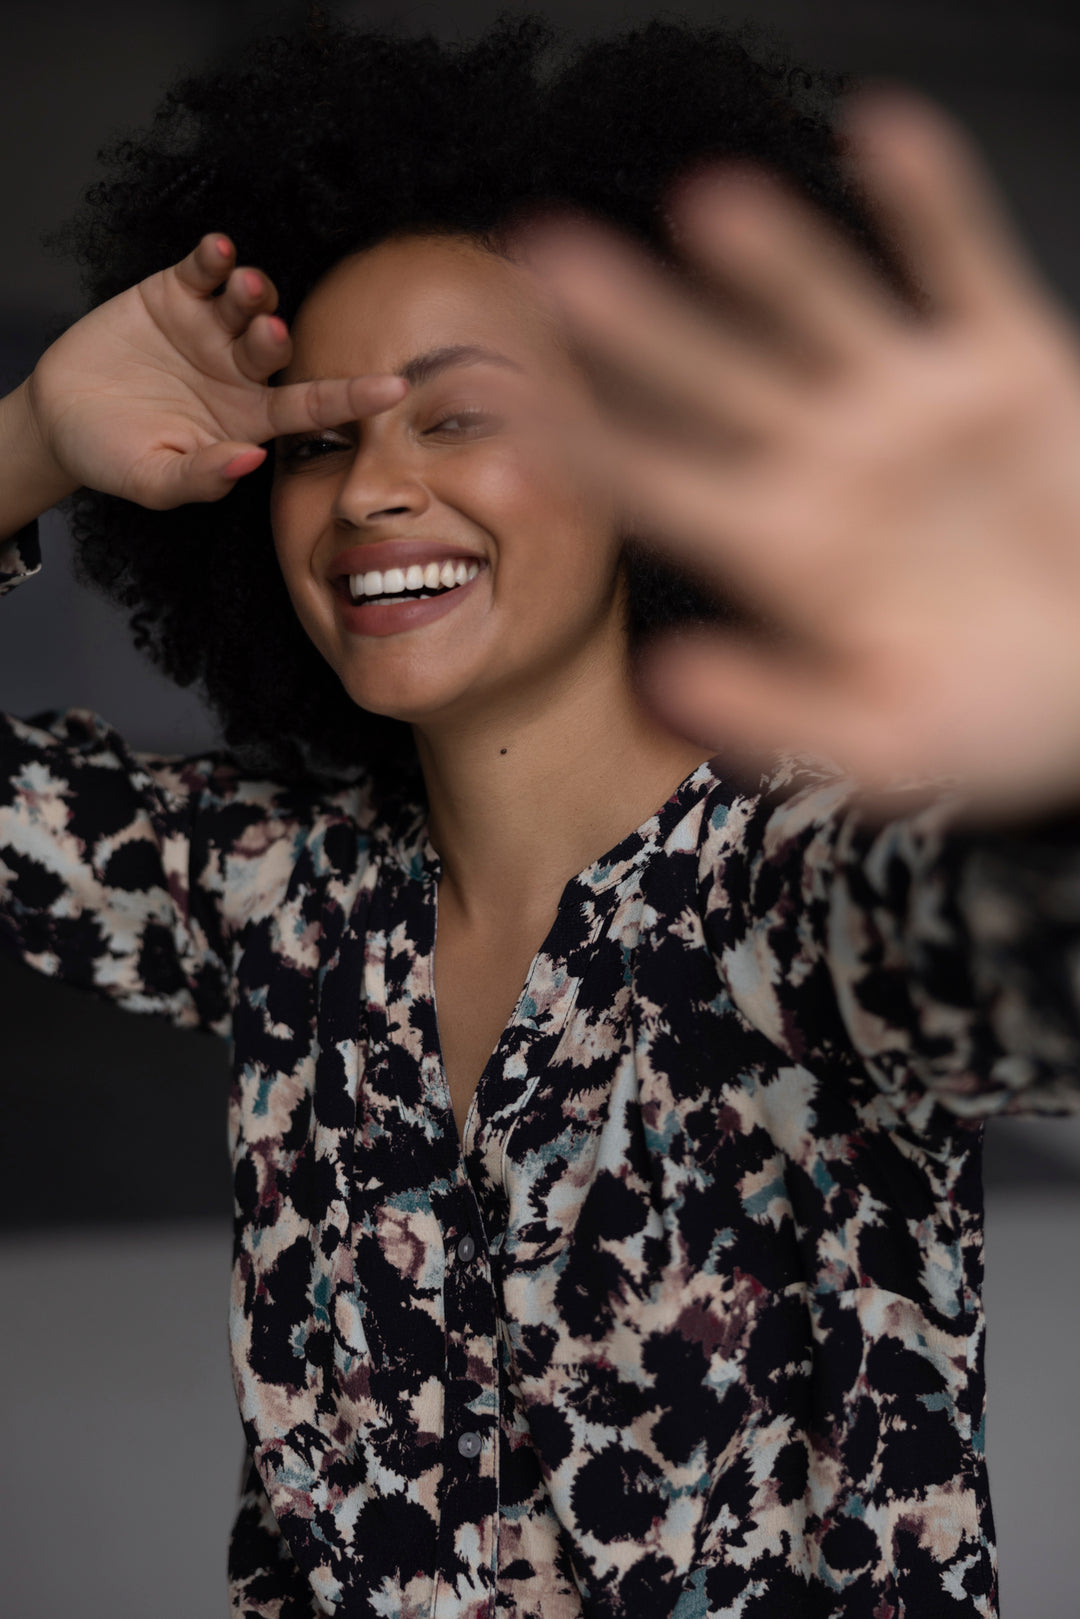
(379,485)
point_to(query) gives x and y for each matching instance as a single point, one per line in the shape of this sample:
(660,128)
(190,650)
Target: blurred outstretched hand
(895,490)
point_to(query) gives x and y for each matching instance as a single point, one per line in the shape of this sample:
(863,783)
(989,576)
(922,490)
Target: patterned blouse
(689,1323)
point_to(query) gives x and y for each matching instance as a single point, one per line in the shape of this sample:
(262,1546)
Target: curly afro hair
(327,140)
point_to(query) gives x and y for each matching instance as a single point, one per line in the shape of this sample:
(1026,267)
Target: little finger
(207,265)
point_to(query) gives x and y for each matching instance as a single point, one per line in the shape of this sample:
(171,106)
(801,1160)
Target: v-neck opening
(510,1024)
(600,878)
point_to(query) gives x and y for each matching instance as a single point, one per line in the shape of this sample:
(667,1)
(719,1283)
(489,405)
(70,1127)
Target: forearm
(956,952)
(30,480)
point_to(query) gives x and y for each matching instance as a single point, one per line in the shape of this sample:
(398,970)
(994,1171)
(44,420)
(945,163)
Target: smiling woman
(459,472)
(606,1121)
(410,136)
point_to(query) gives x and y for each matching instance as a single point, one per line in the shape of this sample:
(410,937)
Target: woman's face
(466,479)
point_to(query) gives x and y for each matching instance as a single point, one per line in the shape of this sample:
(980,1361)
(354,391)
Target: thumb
(169,478)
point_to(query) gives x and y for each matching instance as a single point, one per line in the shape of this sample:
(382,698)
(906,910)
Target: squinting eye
(311,449)
(465,421)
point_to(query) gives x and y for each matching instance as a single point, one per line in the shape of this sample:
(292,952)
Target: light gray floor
(120,1444)
(119,1438)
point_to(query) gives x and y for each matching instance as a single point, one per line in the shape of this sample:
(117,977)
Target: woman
(650,1287)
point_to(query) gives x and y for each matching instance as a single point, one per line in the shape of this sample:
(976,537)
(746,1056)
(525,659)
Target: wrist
(31,479)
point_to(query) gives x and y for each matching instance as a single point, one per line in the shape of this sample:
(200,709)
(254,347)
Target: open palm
(896,491)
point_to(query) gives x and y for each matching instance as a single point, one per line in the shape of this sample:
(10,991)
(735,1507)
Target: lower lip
(391,618)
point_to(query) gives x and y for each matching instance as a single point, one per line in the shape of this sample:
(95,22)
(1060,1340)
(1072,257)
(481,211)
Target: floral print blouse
(689,1323)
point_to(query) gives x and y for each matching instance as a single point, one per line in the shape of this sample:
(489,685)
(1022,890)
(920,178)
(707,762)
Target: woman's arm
(894,484)
(108,869)
(116,870)
(161,395)
(32,481)
(943,964)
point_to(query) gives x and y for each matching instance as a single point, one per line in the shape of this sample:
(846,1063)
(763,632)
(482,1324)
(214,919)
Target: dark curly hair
(327,140)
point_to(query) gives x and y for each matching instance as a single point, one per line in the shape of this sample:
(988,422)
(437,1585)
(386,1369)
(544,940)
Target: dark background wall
(119,1439)
(87,1089)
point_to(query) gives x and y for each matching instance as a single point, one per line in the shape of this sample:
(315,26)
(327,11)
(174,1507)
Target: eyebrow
(423,367)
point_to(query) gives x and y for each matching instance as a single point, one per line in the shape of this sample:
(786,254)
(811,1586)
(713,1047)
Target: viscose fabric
(689,1325)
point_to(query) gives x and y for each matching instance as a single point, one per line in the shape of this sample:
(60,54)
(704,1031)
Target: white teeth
(417,576)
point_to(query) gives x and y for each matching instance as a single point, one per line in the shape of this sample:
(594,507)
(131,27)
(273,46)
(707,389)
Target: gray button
(470,1444)
(466,1248)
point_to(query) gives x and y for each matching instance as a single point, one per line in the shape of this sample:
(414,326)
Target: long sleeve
(20,558)
(945,962)
(132,875)
(103,874)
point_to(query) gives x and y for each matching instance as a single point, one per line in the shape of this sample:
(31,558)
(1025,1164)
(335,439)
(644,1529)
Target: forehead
(376,309)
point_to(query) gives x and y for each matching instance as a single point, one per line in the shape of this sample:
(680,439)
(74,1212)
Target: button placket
(471,1409)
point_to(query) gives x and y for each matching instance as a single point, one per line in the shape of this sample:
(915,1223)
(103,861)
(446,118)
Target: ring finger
(248,292)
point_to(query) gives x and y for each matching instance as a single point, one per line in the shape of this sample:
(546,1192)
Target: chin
(414,702)
(404,679)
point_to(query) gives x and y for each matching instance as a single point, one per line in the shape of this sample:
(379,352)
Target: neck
(524,796)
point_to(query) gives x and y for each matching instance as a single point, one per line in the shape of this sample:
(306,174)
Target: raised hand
(897,493)
(161,396)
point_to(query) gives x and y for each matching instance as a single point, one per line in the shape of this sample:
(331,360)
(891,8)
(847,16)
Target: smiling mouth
(418,582)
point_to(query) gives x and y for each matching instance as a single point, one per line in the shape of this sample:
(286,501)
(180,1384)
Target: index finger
(298,407)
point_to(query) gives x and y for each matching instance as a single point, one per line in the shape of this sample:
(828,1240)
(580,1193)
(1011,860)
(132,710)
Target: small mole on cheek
(502,750)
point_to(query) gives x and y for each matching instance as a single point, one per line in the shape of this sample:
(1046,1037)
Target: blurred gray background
(119,1444)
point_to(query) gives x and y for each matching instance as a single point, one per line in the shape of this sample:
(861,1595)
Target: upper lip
(383,554)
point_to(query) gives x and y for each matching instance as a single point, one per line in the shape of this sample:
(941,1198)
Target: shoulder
(777,819)
(255,838)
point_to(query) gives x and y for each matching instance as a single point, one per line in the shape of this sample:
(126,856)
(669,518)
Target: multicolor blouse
(688,1325)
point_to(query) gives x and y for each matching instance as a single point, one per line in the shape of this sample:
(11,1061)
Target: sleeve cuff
(20,557)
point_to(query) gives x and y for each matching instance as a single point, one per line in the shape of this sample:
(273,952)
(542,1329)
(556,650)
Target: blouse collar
(404,828)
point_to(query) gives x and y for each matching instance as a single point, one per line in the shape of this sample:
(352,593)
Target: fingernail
(246,461)
(393,387)
(224,246)
(252,283)
(279,328)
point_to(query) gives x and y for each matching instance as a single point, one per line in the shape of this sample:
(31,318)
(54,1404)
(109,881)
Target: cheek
(546,521)
(296,520)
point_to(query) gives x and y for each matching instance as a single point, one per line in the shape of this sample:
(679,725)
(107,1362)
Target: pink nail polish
(245,462)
